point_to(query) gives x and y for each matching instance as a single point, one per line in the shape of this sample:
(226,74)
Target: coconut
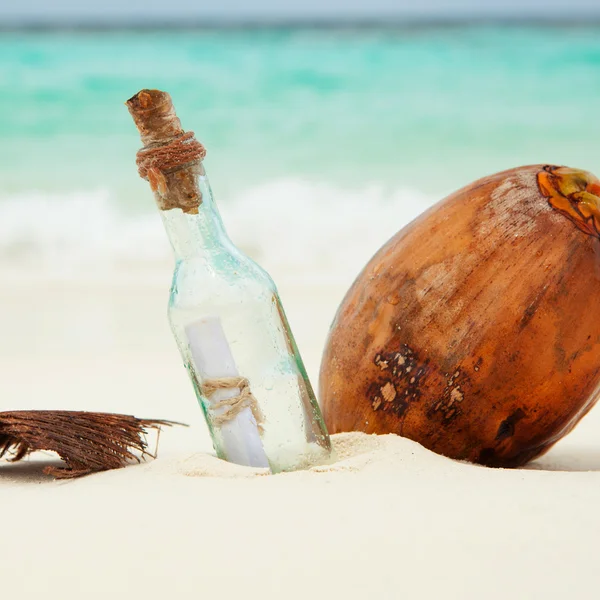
(473,330)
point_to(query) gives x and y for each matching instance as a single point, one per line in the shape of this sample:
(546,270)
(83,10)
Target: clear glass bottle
(226,314)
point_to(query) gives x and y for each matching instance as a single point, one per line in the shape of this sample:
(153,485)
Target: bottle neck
(195,234)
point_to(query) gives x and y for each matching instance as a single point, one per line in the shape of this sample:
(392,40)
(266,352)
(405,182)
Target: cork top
(154,116)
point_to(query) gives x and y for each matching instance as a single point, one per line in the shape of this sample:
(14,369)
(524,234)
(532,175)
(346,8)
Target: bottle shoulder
(225,273)
(223,261)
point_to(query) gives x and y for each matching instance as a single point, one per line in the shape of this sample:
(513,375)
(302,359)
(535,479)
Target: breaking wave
(296,227)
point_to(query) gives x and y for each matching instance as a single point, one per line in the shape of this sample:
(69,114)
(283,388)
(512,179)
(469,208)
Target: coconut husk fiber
(87,442)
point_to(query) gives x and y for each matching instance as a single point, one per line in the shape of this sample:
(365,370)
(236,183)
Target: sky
(15,12)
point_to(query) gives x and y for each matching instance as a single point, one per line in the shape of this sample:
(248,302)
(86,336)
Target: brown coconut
(475,331)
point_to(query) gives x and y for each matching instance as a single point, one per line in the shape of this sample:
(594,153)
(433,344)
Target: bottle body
(228,321)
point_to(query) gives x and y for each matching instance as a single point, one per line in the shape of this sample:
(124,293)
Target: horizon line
(560,20)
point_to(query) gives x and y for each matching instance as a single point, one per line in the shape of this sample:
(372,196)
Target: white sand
(388,520)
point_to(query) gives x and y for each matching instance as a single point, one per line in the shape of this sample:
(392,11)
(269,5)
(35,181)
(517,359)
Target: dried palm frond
(87,442)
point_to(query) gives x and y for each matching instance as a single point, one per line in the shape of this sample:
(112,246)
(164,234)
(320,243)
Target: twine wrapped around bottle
(181,151)
(235,405)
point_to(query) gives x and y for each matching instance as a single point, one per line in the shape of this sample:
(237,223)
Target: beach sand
(388,520)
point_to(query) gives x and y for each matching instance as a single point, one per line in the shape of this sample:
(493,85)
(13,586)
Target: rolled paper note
(213,359)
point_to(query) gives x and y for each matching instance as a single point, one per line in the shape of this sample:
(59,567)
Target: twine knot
(235,405)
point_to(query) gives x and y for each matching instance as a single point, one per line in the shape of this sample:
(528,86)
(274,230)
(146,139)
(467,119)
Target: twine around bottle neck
(171,156)
(159,164)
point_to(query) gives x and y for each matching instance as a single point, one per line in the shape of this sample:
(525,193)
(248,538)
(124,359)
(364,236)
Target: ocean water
(321,143)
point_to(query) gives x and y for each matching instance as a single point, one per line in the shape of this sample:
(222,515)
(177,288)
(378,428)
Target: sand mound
(353,452)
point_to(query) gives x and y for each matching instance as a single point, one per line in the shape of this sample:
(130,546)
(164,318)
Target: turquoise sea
(345,127)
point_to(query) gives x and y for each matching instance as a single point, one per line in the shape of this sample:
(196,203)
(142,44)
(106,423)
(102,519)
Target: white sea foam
(295,227)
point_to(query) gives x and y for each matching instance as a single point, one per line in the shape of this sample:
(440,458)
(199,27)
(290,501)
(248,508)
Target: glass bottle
(225,312)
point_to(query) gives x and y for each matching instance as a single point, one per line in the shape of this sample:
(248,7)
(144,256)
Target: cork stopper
(154,116)
(171,157)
